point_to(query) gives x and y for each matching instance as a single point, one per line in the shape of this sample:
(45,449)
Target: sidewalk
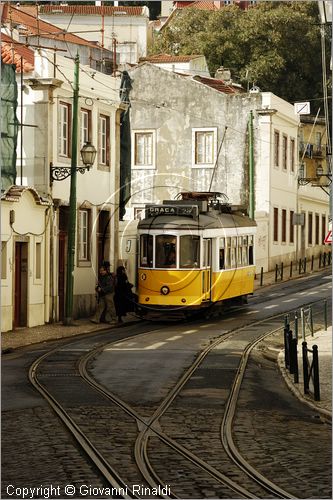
(53,331)
(323,339)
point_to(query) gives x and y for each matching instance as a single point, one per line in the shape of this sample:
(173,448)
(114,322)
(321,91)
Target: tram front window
(146,250)
(189,251)
(166,251)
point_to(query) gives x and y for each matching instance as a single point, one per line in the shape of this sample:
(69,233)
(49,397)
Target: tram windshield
(166,251)
(146,250)
(189,251)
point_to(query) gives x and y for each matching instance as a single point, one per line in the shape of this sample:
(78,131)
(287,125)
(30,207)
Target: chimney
(223,74)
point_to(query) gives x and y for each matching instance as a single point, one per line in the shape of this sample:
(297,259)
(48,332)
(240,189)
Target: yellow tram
(194,252)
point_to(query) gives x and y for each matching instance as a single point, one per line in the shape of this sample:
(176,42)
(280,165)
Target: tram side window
(146,250)
(239,252)
(251,258)
(233,262)
(222,253)
(189,251)
(245,251)
(166,251)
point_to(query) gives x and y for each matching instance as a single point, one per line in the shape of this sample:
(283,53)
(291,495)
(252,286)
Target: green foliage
(275,45)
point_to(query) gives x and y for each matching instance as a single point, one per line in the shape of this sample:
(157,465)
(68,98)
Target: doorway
(21,285)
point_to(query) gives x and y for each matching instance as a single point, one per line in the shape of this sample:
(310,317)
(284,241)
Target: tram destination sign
(179,210)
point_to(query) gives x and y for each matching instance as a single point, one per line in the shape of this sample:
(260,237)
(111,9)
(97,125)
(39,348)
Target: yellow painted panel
(182,284)
(233,283)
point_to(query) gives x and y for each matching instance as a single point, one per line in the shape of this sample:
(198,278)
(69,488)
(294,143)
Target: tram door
(206,273)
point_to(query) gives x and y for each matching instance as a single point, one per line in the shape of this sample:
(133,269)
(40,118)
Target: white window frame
(85,126)
(149,159)
(103,139)
(65,129)
(84,236)
(208,130)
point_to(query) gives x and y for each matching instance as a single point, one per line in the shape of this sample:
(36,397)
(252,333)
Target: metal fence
(312,318)
(297,268)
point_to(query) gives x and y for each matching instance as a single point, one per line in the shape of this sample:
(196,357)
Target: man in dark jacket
(105,290)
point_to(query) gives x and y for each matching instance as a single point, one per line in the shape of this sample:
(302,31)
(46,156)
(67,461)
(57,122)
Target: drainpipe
(251,167)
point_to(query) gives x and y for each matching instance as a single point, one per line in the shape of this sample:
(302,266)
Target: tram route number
(184,210)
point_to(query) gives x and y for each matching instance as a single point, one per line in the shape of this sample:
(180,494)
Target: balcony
(308,150)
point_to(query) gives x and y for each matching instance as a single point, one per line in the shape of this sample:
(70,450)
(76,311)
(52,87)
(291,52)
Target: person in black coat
(124,299)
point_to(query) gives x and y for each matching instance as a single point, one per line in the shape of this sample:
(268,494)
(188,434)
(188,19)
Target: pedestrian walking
(124,298)
(105,297)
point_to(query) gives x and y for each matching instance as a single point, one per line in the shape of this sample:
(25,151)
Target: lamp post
(88,154)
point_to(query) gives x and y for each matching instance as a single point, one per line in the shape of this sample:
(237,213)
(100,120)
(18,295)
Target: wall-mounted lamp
(88,155)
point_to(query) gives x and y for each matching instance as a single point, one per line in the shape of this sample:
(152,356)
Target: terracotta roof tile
(167,58)
(34,26)
(196,5)
(219,85)
(13,52)
(92,10)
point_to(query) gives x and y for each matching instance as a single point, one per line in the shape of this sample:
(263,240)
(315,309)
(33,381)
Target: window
(85,132)
(233,254)
(204,147)
(144,149)
(3,260)
(146,250)
(317,229)
(310,228)
(276,148)
(65,129)
(276,225)
(166,251)
(284,152)
(139,213)
(251,256)
(284,226)
(222,261)
(38,257)
(323,229)
(104,140)
(189,251)
(291,227)
(292,155)
(84,235)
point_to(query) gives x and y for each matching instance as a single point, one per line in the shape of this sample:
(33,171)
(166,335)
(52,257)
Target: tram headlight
(165,290)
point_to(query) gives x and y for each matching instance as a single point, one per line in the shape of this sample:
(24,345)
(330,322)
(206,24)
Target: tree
(275,45)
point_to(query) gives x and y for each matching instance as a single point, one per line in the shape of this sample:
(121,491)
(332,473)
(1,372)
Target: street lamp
(88,154)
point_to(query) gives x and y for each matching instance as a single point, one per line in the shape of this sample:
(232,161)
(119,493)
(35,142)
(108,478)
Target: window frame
(292,147)
(65,140)
(284,152)
(84,229)
(310,228)
(283,225)
(144,165)
(85,112)
(104,140)
(291,227)
(276,148)
(275,225)
(205,130)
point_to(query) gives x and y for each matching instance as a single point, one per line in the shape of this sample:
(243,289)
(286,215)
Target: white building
(123,29)
(35,215)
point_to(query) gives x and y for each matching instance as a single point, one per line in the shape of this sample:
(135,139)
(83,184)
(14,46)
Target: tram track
(151,426)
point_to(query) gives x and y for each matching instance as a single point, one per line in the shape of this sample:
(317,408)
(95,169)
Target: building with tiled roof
(188,64)
(29,26)
(13,52)
(26,27)
(126,29)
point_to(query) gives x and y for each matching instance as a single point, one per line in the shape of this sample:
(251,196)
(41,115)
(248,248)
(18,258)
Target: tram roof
(208,220)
